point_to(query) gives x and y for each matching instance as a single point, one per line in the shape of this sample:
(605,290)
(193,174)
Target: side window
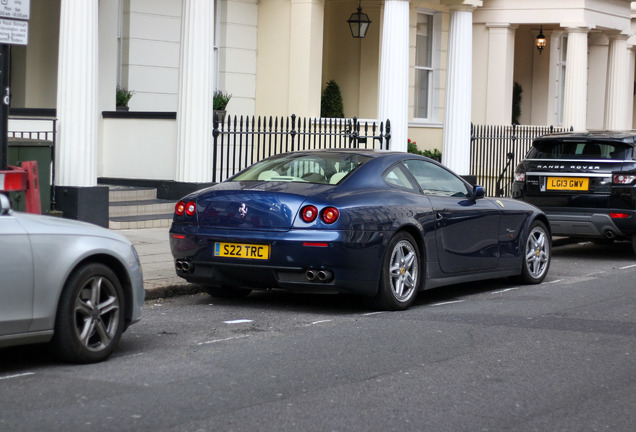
(394,176)
(435,180)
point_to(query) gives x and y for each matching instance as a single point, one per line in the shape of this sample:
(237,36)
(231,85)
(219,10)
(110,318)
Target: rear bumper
(350,261)
(591,223)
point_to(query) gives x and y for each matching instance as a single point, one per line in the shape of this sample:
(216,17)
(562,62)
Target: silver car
(72,284)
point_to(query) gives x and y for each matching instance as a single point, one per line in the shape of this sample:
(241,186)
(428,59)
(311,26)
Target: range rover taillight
(520,176)
(623,179)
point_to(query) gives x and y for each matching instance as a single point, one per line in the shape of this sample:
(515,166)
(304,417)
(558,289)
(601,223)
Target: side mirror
(5,204)
(478,192)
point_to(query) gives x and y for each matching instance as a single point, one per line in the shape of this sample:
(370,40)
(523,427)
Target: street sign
(15,9)
(14,32)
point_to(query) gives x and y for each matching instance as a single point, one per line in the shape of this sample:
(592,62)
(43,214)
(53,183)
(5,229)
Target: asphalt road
(488,356)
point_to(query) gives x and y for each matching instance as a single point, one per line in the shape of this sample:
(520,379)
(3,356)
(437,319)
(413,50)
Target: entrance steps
(132,207)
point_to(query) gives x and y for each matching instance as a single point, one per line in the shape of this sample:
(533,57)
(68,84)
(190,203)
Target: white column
(194,111)
(456,147)
(501,60)
(76,152)
(629,114)
(618,92)
(575,92)
(394,71)
(305,57)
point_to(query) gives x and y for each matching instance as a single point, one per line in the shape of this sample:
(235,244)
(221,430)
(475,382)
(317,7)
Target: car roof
(627,137)
(366,152)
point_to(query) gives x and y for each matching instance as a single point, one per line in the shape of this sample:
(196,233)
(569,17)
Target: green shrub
(123,96)
(331,101)
(433,154)
(221,99)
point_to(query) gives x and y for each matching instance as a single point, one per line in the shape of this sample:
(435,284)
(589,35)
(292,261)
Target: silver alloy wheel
(403,270)
(537,253)
(96,314)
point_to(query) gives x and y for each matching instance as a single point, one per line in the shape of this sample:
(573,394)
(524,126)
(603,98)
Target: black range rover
(584,182)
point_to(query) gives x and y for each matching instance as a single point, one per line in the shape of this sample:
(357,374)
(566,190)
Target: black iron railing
(242,141)
(495,151)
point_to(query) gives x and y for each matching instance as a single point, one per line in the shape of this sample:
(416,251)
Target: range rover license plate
(241,250)
(568,183)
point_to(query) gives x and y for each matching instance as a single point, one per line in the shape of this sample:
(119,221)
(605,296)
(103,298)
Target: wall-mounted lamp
(541,41)
(359,23)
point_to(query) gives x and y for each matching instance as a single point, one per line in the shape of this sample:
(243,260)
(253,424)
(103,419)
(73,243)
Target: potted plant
(122,97)
(220,100)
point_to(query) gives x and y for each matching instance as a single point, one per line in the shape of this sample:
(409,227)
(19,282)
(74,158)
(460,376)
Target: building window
(427,61)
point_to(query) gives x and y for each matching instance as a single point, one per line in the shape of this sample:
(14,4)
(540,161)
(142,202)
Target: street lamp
(359,23)
(541,41)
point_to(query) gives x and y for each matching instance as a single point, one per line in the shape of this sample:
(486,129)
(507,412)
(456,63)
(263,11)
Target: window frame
(433,97)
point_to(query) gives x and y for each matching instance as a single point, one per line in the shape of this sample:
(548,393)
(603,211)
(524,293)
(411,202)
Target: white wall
(150,53)
(238,54)
(139,149)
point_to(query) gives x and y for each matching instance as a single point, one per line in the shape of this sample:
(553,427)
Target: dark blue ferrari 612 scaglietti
(380,224)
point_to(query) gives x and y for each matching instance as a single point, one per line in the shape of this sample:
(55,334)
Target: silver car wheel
(90,316)
(96,314)
(537,257)
(403,270)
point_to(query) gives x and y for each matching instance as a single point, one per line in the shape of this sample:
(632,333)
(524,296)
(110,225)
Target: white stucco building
(431,67)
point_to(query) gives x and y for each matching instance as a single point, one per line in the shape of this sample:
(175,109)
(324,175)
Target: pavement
(160,277)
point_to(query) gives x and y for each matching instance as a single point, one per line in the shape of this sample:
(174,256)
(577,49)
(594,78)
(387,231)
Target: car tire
(537,253)
(400,275)
(227,291)
(90,315)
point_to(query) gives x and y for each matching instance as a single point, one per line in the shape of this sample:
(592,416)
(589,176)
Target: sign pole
(4,104)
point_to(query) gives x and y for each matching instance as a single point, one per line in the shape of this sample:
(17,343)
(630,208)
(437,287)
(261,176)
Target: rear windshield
(561,149)
(322,168)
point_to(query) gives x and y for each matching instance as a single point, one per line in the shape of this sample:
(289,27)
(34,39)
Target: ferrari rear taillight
(329,215)
(309,213)
(182,208)
(191,208)
(619,215)
(179,208)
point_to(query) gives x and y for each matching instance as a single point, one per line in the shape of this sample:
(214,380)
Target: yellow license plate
(568,183)
(241,250)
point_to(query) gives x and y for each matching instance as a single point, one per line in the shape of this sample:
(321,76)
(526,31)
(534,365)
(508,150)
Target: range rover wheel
(400,274)
(537,254)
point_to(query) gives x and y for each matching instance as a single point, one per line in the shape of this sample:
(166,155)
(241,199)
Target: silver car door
(16,277)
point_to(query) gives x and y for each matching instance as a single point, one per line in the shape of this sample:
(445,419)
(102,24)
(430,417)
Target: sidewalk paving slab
(160,278)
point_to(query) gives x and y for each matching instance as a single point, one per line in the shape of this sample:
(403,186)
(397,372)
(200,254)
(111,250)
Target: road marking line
(238,321)
(17,376)
(372,313)
(593,273)
(447,303)
(626,267)
(221,340)
(319,322)
(554,281)
(504,290)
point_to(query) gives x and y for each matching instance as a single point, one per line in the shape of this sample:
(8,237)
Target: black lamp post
(541,41)
(359,23)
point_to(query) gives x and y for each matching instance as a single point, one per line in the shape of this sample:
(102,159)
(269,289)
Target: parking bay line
(626,267)
(17,376)
(447,303)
